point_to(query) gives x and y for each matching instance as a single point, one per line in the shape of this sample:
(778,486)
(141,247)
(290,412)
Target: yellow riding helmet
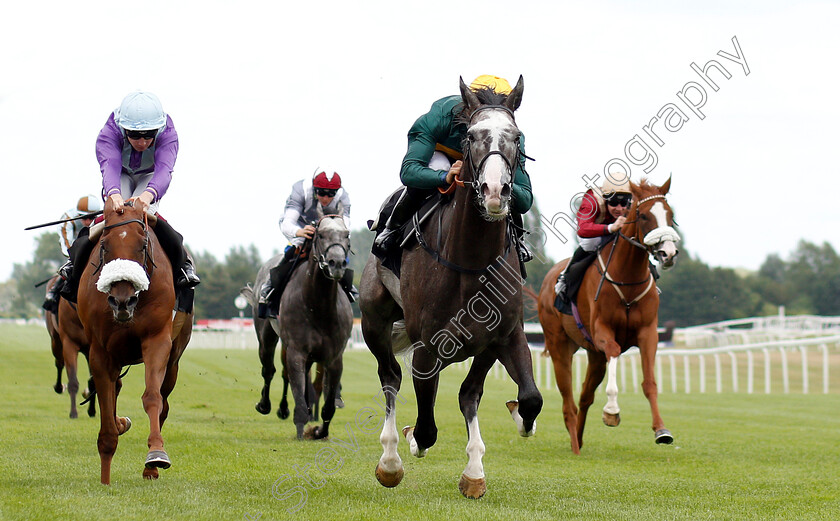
(499,85)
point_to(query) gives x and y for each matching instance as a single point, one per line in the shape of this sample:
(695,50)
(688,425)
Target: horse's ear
(339,209)
(514,99)
(665,186)
(469,97)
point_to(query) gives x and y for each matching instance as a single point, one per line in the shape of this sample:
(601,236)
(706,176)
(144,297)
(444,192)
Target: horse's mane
(486,96)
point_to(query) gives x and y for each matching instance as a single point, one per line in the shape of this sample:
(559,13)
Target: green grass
(736,456)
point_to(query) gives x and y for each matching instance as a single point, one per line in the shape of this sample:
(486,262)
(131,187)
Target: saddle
(407,233)
(574,278)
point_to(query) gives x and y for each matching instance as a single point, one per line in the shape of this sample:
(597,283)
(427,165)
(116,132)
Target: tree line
(807,282)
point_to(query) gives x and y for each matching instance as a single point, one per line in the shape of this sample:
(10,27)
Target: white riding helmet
(611,187)
(141,111)
(89,204)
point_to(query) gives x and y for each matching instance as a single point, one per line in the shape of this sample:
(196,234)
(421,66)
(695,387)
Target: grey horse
(313,325)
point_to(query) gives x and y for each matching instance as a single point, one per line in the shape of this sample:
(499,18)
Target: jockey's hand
(143,201)
(117,201)
(454,170)
(614,227)
(307,231)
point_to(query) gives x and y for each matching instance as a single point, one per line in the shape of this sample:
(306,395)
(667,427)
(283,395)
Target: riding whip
(86,216)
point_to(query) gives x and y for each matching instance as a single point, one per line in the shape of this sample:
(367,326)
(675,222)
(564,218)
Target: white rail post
(659,379)
(549,372)
(824,349)
(673,373)
(804,351)
(766,370)
(702,373)
(578,371)
(687,375)
(734,371)
(749,372)
(718,382)
(622,371)
(785,379)
(635,372)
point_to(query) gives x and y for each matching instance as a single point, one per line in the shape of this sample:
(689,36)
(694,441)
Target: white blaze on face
(495,171)
(663,234)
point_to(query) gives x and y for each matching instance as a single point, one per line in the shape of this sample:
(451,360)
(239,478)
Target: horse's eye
(643,217)
(471,137)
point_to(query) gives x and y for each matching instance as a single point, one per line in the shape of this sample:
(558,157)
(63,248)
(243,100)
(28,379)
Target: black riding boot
(51,300)
(346,283)
(407,205)
(563,284)
(272,289)
(72,271)
(172,243)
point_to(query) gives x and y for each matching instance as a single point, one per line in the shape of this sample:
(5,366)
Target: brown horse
(67,339)
(126,298)
(624,314)
(458,296)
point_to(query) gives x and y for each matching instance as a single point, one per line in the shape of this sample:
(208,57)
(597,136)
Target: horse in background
(621,314)
(313,325)
(67,340)
(457,296)
(126,302)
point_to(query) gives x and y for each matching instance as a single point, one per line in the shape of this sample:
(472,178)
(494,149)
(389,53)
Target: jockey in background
(434,158)
(70,229)
(601,214)
(136,150)
(296,223)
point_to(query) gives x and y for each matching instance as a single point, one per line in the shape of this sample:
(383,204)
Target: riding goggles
(326,192)
(619,200)
(142,134)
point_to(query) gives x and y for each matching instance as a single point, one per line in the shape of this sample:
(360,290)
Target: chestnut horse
(625,313)
(126,301)
(458,296)
(314,326)
(67,340)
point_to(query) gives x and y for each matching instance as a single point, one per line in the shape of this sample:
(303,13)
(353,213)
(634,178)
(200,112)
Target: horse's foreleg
(295,366)
(105,377)
(594,376)
(647,348)
(425,372)
(330,380)
(611,410)
(516,357)
(268,345)
(156,358)
(472,483)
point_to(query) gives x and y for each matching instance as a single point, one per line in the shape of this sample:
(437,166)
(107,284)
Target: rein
(321,257)
(148,255)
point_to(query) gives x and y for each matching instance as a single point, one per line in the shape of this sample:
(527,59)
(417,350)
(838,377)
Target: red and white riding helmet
(326,178)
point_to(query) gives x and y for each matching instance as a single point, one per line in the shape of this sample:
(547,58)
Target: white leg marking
(612,388)
(390,461)
(475,451)
(520,424)
(412,443)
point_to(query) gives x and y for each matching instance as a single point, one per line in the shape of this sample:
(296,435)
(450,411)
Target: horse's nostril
(506,190)
(132,302)
(484,189)
(112,301)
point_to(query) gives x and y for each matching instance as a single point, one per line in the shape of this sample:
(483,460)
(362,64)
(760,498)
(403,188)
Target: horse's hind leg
(562,350)
(105,376)
(594,376)
(472,483)
(647,347)
(71,354)
(268,344)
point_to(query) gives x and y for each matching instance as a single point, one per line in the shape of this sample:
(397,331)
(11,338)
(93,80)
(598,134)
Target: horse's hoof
(86,393)
(263,409)
(472,488)
(58,388)
(150,473)
(512,405)
(157,459)
(313,432)
(74,415)
(413,447)
(513,408)
(611,420)
(92,412)
(125,421)
(663,436)
(283,413)
(387,479)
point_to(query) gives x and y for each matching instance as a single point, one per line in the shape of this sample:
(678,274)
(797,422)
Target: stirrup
(66,270)
(384,242)
(525,254)
(188,278)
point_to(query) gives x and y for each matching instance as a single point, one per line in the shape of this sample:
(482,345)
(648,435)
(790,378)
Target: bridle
(321,255)
(148,255)
(468,156)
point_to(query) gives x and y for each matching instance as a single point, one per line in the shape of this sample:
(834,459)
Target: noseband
(648,243)
(321,256)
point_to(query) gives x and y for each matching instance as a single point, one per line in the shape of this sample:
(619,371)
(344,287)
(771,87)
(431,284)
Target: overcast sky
(262,92)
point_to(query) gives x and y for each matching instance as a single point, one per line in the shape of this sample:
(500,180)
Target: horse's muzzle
(123,307)
(495,198)
(666,253)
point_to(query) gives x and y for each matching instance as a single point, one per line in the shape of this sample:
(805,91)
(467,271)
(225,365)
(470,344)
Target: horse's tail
(533,305)
(248,293)
(399,337)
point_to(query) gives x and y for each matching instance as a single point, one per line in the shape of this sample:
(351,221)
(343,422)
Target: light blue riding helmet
(140,111)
